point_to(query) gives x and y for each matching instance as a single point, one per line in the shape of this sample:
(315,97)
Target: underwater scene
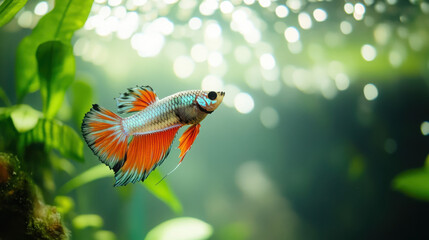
(214,119)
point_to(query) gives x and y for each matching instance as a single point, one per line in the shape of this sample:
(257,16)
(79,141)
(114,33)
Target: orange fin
(103,131)
(136,99)
(145,153)
(187,139)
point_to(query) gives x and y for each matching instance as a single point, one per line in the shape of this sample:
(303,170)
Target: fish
(135,145)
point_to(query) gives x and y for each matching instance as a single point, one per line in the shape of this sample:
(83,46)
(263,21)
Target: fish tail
(105,135)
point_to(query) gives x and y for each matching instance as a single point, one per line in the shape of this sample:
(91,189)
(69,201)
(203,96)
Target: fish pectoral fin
(187,139)
(136,99)
(144,154)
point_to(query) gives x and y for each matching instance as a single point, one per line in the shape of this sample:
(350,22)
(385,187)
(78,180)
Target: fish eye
(212,95)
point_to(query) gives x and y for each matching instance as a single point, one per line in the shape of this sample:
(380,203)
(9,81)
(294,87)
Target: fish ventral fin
(136,99)
(187,139)
(145,153)
(103,131)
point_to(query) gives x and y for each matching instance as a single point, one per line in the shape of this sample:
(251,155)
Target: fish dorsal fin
(187,139)
(145,153)
(136,99)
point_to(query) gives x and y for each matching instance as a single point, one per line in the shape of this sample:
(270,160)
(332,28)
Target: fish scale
(161,115)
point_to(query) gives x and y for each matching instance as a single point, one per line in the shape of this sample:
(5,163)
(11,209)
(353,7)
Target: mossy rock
(22,214)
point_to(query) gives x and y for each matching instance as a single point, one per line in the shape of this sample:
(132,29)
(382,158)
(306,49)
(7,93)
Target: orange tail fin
(145,153)
(103,131)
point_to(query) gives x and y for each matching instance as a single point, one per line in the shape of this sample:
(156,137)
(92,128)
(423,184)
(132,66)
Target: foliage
(80,104)
(45,61)
(184,228)
(161,190)
(414,182)
(8,10)
(33,127)
(59,25)
(56,67)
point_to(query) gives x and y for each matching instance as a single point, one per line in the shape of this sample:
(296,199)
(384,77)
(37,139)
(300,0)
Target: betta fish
(135,145)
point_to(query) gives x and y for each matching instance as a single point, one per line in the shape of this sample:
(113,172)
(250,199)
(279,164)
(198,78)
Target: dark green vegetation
(335,166)
(45,144)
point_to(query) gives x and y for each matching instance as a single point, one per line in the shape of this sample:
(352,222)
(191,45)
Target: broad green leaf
(162,191)
(56,67)
(8,10)
(97,172)
(87,220)
(24,117)
(59,24)
(82,97)
(414,183)
(54,134)
(184,228)
(4,97)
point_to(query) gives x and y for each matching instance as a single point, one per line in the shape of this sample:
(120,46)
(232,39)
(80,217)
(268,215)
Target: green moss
(22,214)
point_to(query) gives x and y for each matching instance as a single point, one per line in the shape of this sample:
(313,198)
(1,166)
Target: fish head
(208,101)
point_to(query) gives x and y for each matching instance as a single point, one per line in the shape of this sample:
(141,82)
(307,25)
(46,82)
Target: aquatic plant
(45,62)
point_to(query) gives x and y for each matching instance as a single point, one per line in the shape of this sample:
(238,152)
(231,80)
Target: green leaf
(59,24)
(162,191)
(4,97)
(24,117)
(104,235)
(184,228)
(87,220)
(53,134)
(64,204)
(414,183)
(56,67)
(97,172)
(82,97)
(8,10)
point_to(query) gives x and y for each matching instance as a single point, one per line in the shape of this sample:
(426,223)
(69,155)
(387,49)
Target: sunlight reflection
(267,61)
(368,52)
(232,91)
(269,117)
(195,23)
(291,34)
(282,11)
(346,27)
(424,128)
(243,103)
(304,20)
(226,7)
(41,8)
(199,53)
(212,83)
(342,81)
(183,67)
(320,15)
(370,91)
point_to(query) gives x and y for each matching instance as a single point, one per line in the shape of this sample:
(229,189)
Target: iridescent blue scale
(161,115)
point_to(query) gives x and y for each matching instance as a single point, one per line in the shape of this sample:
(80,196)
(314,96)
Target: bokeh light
(424,128)
(269,117)
(244,103)
(368,52)
(370,91)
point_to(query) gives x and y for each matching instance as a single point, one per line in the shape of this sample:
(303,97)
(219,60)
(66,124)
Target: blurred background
(326,105)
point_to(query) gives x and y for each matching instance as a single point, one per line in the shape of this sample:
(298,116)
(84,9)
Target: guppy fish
(134,146)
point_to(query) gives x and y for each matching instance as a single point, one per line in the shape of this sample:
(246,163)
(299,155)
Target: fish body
(177,109)
(134,146)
